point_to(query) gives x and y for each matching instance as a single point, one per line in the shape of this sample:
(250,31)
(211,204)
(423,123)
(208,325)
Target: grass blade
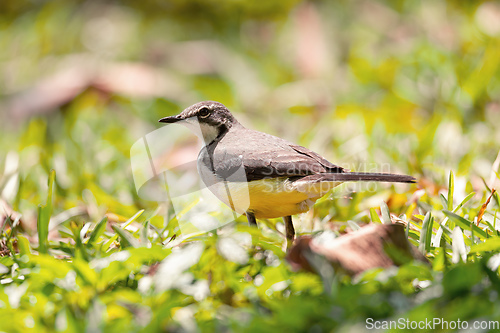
(386,215)
(425,234)
(23,244)
(465,224)
(467,198)
(444,201)
(451,190)
(458,246)
(491,244)
(496,197)
(133,218)
(492,228)
(98,231)
(144,234)
(436,241)
(354,226)
(374,216)
(126,239)
(44,213)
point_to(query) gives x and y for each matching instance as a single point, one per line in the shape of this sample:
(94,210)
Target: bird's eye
(204,112)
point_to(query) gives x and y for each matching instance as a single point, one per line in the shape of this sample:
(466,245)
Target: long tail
(358,177)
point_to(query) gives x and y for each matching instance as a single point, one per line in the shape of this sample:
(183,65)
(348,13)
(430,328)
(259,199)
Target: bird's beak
(171,119)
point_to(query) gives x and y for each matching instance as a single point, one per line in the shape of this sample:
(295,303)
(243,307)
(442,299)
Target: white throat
(205,132)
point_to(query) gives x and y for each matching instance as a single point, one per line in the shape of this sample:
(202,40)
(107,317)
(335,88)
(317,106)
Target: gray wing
(263,156)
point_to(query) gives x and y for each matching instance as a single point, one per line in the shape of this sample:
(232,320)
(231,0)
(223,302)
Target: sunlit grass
(394,89)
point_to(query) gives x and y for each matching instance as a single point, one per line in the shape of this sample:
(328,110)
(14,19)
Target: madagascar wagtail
(282,178)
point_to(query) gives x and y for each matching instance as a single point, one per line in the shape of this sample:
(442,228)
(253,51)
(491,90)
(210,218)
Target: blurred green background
(394,86)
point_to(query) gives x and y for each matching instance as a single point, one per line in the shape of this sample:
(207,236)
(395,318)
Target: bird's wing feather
(327,164)
(264,156)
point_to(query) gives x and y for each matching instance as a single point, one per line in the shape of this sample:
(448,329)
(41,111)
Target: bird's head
(206,119)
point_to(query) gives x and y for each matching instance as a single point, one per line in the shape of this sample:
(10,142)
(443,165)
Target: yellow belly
(268,198)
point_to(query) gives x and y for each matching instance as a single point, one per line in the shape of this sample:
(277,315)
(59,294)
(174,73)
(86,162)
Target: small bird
(279,178)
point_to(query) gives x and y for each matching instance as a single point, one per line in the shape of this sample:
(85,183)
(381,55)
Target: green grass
(413,89)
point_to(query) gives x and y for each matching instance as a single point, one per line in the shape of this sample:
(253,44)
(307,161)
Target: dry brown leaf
(376,245)
(484,206)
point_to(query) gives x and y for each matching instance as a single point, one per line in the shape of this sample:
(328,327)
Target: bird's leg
(251,219)
(252,223)
(289,230)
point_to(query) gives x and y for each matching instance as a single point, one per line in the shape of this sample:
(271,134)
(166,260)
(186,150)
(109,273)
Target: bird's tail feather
(358,177)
